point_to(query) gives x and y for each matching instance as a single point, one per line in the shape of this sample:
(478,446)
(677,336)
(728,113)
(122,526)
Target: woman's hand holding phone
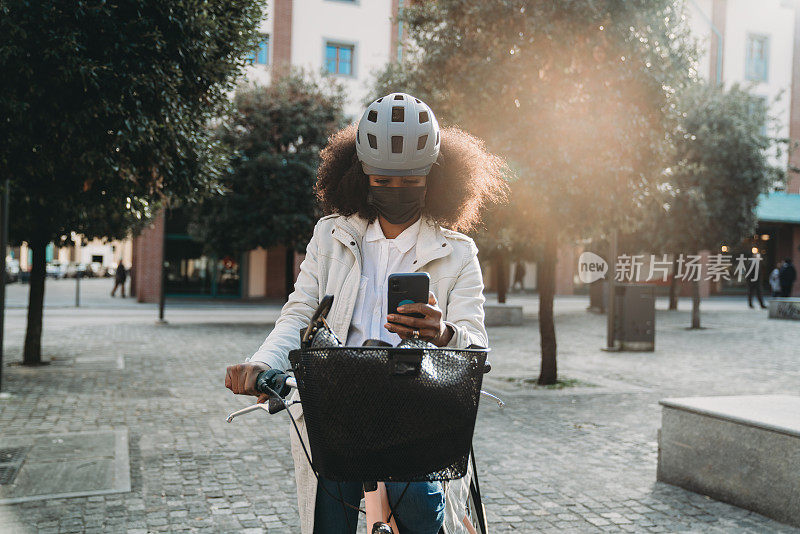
(431,327)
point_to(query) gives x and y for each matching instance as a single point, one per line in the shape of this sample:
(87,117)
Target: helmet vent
(358,137)
(423,139)
(379,100)
(373,116)
(398,97)
(437,138)
(373,141)
(418,101)
(423,117)
(397,144)
(398,114)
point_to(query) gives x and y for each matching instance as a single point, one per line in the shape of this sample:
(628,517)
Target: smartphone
(407,288)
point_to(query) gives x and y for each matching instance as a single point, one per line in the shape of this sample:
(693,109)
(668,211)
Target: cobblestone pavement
(581,459)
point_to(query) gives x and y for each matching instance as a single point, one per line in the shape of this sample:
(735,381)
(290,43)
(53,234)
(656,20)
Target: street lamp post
(78,275)
(611,304)
(162,297)
(3,247)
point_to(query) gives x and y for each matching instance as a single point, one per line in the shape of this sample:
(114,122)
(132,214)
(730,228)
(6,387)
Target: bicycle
(404,361)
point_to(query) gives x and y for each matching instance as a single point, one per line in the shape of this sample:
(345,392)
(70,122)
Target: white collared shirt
(380,257)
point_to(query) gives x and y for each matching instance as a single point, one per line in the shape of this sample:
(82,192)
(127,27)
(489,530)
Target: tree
(106,113)
(573,94)
(267,197)
(720,164)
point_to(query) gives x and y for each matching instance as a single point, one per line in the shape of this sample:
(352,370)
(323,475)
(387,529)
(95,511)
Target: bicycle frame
(376,500)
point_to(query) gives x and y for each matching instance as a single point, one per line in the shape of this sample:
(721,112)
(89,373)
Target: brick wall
(794,106)
(148,247)
(276,272)
(282,34)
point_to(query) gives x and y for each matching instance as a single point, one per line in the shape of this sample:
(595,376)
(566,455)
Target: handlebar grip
(274,380)
(261,381)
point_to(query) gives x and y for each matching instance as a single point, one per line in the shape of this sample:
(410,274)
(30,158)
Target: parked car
(56,269)
(74,268)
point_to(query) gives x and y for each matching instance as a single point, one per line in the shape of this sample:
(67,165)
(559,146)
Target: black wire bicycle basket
(403,414)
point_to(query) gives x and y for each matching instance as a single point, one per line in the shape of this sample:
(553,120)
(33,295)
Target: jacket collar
(403,242)
(431,243)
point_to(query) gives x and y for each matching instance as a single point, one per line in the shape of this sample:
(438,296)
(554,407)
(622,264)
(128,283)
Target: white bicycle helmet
(398,135)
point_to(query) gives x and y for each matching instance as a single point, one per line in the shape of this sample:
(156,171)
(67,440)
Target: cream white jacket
(333,266)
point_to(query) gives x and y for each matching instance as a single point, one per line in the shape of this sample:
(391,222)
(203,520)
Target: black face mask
(398,205)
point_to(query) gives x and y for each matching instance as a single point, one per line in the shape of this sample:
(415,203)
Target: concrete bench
(743,450)
(785,308)
(502,315)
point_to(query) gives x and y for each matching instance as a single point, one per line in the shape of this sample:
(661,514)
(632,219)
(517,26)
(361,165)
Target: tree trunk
(695,304)
(546,281)
(673,286)
(289,273)
(32,353)
(501,275)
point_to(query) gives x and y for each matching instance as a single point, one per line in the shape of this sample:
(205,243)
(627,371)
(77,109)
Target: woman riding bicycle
(397,190)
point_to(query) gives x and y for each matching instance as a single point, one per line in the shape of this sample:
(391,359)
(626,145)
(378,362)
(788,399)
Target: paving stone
(580,459)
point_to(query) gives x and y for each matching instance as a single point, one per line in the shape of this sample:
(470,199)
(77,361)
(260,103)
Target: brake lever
(272,406)
(495,398)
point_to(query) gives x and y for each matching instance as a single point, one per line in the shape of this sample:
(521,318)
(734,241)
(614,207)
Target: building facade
(757,44)
(746,42)
(348,39)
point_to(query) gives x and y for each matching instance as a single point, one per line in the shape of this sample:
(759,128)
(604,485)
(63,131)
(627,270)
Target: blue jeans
(421,511)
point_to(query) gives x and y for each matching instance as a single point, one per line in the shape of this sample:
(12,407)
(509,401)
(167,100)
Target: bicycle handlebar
(292,382)
(274,405)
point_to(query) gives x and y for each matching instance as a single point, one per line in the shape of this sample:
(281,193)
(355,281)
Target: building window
(261,54)
(339,59)
(757,58)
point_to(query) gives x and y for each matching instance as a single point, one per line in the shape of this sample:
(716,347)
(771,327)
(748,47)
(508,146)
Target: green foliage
(105,106)
(721,163)
(575,94)
(267,197)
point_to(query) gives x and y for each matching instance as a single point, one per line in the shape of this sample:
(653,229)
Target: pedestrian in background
(519,276)
(754,286)
(787,277)
(119,279)
(775,281)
